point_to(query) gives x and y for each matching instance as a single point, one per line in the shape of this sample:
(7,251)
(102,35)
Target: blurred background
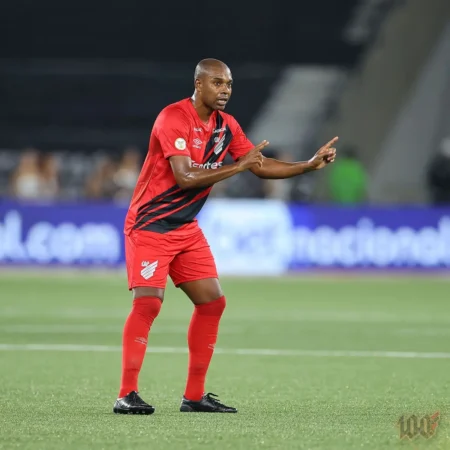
(82,83)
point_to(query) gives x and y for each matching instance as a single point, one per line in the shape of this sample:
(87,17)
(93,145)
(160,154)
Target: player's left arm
(275,169)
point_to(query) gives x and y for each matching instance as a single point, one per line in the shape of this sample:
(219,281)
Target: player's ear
(197,84)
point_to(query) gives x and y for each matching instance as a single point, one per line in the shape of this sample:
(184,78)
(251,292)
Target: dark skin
(213,87)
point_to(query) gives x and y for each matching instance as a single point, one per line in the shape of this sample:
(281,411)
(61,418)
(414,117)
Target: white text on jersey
(208,165)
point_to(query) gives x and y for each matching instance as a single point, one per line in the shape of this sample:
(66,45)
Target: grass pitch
(320,363)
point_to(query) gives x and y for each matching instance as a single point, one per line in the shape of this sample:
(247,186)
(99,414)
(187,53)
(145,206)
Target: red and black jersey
(158,203)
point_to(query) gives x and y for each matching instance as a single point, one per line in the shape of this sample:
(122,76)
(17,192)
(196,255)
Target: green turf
(63,400)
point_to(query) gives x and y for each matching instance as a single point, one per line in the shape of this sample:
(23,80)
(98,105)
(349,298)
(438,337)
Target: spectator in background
(100,184)
(127,174)
(49,186)
(26,179)
(438,174)
(347,178)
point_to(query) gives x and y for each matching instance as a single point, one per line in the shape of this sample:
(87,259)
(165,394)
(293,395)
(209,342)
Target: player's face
(216,88)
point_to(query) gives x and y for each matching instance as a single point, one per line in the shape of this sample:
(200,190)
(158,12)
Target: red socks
(135,334)
(202,337)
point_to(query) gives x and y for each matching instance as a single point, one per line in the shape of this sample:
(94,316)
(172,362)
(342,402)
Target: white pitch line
(243,316)
(230,351)
(94,329)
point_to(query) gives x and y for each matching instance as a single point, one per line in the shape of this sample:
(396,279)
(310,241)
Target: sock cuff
(152,305)
(213,308)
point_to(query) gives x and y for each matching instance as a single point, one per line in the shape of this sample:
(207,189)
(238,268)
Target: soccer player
(188,144)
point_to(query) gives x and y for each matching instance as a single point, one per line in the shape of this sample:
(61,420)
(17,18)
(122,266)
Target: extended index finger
(261,145)
(332,142)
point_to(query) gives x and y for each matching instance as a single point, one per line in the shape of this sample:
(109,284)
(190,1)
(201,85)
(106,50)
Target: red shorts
(150,257)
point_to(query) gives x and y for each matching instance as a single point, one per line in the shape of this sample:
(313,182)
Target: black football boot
(132,404)
(206,404)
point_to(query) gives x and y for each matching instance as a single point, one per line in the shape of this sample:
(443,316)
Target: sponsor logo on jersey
(208,165)
(198,143)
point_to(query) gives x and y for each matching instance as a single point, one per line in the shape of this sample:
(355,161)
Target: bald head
(209,65)
(213,84)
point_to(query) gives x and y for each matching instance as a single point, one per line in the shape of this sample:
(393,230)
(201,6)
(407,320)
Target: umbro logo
(198,129)
(148,269)
(198,141)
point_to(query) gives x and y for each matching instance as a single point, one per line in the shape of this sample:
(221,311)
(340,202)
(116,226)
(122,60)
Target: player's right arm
(189,177)
(172,130)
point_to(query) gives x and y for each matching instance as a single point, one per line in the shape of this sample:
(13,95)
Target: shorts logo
(148,269)
(180,144)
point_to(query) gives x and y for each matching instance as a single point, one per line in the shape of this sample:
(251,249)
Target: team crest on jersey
(219,147)
(180,144)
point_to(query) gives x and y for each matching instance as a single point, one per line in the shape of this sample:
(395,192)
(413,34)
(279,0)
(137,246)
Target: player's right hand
(253,158)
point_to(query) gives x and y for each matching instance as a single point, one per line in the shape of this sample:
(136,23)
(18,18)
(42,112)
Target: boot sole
(138,412)
(189,409)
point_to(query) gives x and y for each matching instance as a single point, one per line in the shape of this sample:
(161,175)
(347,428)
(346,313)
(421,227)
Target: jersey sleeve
(172,131)
(240,144)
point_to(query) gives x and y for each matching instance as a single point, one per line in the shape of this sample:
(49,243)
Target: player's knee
(147,307)
(221,304)
(140,292)
(213,292)
(215,307)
